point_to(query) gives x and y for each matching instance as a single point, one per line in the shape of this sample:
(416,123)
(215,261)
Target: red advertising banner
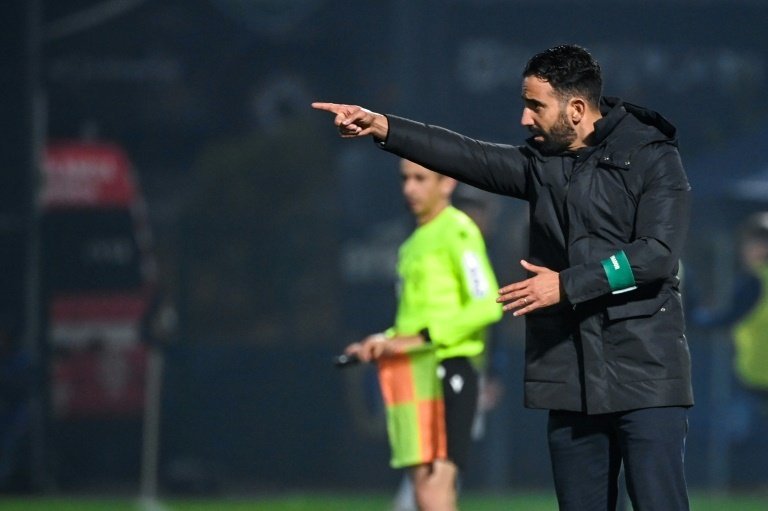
(96,258)
(85,174)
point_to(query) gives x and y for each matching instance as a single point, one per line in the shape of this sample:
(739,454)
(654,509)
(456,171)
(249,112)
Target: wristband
(619,273)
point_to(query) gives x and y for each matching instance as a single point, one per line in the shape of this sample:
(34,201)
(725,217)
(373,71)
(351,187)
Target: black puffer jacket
(596,351)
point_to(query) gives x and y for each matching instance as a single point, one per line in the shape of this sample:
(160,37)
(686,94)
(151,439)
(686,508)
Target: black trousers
(587,452)
(460,392)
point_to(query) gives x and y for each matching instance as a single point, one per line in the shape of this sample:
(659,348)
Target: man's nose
(526,119)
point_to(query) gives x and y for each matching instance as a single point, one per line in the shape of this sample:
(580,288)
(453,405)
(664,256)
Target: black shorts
(460,391)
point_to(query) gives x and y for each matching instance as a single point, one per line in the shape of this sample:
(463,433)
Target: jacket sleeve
(662,217)
(496,168)
(478,289)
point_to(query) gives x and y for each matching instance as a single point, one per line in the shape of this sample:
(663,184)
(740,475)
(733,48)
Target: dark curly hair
(570,69)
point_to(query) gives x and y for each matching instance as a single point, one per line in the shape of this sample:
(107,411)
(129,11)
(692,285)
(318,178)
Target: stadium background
(272,241)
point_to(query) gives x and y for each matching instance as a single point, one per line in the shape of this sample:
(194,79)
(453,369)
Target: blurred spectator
(746,314)
(747,309)
(15,385)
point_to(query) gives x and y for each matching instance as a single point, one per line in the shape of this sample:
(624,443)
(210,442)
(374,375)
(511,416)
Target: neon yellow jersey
(447,286)
(751,339)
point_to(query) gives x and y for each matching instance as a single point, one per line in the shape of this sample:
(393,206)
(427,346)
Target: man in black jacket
(606,352)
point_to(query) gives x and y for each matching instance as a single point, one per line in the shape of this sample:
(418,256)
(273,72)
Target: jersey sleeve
(479,290)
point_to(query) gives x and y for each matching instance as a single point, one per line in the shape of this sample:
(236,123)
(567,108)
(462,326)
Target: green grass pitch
(335,502)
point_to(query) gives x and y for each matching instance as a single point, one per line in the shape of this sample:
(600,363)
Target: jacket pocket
(644,339)
(637,309)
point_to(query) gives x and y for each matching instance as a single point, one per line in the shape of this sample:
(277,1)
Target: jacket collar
(612,110)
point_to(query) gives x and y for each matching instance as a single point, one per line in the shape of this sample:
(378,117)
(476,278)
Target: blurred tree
(260,244)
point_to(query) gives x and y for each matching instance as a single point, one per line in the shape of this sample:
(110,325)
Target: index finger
(328,107)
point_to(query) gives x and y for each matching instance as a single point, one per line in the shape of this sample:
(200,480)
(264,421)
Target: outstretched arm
(354,121)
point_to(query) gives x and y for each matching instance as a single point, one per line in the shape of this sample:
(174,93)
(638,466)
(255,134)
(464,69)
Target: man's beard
(559,137)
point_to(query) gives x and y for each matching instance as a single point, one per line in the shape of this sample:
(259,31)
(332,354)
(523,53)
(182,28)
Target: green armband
(619,273)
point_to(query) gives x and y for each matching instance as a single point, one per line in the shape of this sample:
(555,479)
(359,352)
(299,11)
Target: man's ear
(448,185)
(577,107)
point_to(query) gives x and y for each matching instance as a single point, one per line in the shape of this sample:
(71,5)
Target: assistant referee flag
(413,396)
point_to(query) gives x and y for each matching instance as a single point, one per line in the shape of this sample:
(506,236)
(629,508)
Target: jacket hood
(646,116)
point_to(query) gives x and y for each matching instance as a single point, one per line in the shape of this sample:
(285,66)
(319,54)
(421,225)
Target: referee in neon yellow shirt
(447,297)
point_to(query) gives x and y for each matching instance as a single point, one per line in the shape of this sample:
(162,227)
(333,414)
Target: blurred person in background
(483,208)
(746,314)
(609,201)
(447,299)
